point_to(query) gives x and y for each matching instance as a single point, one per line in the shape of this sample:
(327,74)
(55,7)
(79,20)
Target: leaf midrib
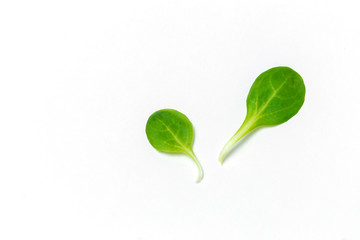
(270,99)
(186,149)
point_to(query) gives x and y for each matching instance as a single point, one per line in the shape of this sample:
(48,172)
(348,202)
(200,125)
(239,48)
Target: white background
(78,80)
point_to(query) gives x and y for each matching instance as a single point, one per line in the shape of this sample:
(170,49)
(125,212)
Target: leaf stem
(199,167)
(245,128)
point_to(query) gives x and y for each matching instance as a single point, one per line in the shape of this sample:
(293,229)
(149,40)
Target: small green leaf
(275,97)
(171,131)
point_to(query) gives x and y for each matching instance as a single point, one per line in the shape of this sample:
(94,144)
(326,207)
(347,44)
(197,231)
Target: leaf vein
(271,98)
(173,134)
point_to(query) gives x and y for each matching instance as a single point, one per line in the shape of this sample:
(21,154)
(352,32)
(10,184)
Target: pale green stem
(245,128)
(199,167)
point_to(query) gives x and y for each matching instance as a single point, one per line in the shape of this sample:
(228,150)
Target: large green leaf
(276,96)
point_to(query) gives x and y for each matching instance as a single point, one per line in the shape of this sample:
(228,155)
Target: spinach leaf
(276,96)
(171,131)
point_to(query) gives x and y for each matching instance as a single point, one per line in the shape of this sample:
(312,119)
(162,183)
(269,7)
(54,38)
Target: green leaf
(275,97)
(172,132)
